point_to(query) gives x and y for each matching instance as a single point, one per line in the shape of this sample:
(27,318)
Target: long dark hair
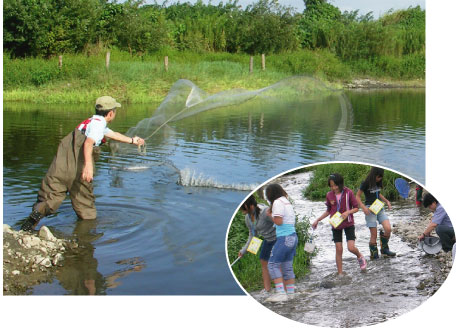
(250,201)
(337,179)
(371,177)
(273,192)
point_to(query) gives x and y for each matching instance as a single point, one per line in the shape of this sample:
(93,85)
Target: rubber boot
(374,251)
(33,220)
(384,249)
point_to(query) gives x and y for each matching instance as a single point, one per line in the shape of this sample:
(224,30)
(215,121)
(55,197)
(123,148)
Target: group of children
(281,237)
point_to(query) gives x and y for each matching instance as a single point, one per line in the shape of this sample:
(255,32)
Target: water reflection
(79,274)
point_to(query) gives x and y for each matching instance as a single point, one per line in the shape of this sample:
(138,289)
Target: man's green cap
(107,103)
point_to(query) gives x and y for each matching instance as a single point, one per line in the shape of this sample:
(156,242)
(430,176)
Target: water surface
(163,215)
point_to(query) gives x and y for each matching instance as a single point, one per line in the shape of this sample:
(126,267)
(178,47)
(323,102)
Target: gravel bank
(441,262)
(30,259)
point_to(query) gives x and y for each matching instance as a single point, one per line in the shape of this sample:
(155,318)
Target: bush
(353,175)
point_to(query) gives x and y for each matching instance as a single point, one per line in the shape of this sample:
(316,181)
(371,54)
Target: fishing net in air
(185,99)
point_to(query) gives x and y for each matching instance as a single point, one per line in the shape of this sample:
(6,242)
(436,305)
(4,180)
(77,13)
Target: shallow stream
(386,290)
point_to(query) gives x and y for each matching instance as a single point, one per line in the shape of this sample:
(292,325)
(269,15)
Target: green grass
(143,79)
(353,175)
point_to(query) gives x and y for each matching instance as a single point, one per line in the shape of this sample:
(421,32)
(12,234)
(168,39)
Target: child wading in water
(341,199)
(283,252)
(371,187)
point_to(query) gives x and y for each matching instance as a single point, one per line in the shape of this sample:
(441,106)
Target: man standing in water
(73,166)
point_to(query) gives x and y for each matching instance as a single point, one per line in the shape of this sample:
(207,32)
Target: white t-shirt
(96,128)
(283,208)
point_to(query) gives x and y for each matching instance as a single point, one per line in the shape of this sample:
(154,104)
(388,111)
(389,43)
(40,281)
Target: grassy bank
(248,270)
(143,79)
(353,175)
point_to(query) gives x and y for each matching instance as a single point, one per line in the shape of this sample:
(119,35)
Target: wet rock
(46,262)
(440,264)
(46,234)
(29,259)
(57,259)
(7,228)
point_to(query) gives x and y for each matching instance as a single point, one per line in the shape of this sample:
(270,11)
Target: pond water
(163,215)
(386,290)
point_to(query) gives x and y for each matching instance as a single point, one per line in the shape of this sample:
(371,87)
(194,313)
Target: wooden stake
(166,63)
(60,62)
(107,60)
(263,61)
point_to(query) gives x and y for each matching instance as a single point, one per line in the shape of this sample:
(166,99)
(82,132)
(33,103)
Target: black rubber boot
(374,251)
(33,220)
(384,249)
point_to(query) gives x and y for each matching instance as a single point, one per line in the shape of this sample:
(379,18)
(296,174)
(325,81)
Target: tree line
(45,28)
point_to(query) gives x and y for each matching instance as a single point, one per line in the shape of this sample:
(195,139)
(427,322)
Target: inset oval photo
(341,245)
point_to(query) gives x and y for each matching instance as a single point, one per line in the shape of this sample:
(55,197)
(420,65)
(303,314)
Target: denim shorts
(266,249)
(284,248)
(371,219)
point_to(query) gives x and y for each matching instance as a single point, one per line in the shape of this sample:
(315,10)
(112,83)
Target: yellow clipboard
(376,206)
(254,245)
(336,220)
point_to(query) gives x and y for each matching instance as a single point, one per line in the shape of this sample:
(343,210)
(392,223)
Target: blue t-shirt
(440,217)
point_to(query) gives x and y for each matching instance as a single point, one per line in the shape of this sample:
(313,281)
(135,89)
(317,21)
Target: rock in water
(7,228)
(57,259)
(46,234)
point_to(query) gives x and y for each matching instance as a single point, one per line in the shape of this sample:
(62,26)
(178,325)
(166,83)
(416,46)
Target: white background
(232,312)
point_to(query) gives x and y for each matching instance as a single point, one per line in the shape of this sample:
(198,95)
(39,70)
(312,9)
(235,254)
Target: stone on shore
(29,259)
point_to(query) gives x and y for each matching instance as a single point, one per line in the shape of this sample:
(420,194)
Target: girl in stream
(341,199)
(371,188)
(259,223)
(282,256)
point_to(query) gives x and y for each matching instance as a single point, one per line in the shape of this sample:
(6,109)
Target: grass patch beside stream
(143,79)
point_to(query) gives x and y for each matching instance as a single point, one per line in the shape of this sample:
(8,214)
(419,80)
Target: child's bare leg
(386,228)
(373,239)
(266,275)
(353,249)
(338,256)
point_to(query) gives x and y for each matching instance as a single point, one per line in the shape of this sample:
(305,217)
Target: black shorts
(349,233)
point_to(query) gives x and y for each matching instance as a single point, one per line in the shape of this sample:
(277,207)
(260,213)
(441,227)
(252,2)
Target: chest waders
(64,177)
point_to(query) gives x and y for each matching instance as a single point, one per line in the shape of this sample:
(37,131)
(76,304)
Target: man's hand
(138,141)
(87,174)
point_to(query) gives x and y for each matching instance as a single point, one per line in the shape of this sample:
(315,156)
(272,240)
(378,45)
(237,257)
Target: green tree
(48,27)
(319,24)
